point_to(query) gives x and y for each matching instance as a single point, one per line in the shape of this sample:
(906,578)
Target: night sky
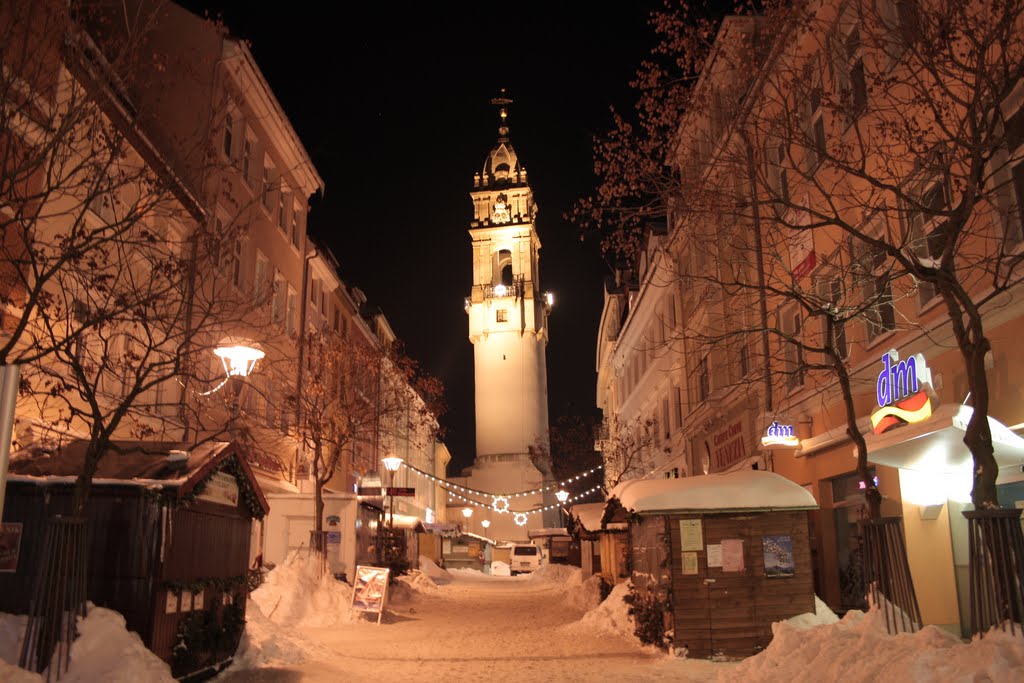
(393,105)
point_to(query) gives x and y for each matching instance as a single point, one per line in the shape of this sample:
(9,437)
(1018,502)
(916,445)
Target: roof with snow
(739,490)
(589,516)
(175,467)
(544,533)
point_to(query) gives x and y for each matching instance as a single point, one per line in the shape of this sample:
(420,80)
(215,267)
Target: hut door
(730,592)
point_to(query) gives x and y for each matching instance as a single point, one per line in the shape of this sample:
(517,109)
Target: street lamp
(562,495)
(485,523)
(467,512)
(391,464)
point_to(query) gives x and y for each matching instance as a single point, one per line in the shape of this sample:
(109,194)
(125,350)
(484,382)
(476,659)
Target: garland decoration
(230,466)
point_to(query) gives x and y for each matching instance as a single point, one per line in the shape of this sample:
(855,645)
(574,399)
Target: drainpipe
(302,356)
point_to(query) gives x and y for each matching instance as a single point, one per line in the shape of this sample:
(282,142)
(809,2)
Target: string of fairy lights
(518,494)
(500,502)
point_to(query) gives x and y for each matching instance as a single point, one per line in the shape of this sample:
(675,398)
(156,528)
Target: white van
(525,557)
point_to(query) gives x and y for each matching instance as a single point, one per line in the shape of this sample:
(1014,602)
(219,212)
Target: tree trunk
(318,522)
(80,500)
(872,498)
(978,437)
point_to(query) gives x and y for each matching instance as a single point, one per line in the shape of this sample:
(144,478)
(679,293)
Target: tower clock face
(501,214)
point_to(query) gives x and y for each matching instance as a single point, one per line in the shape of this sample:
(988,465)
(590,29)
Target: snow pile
(612,615)
(858,649)
(295,593)
(499,568)
(557,573)
(266,644)
(584,595)
(105,650)
(408,585)
(821,616)
(431,570)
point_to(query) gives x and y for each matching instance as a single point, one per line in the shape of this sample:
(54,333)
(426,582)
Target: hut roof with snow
(742,490)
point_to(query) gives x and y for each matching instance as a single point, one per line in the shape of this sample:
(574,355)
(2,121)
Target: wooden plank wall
(123,546)
(732,613)
(206,540)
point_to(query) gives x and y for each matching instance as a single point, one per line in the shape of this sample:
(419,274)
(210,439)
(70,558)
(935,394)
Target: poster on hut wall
(715,555)
(10,546)
(370,589)
(689,564)
(778,556)
(691,535)
(732,555)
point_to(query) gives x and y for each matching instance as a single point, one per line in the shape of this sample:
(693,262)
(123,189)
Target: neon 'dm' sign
(901,392)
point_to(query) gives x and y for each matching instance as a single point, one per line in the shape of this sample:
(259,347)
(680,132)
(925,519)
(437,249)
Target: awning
(937,444)
(405,522)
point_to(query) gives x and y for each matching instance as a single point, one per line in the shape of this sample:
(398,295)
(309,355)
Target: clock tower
(508,326)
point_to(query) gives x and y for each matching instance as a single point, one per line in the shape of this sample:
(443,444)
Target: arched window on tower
(504,268)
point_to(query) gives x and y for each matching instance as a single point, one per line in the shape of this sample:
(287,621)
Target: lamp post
(467,512)
(485,523)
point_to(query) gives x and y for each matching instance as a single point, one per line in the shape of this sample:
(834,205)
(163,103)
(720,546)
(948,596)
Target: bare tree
(353,391)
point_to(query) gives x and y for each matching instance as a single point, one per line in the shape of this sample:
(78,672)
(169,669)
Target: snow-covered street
(469,627)
(462,625)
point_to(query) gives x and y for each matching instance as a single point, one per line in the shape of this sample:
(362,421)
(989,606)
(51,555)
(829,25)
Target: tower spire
(502,101)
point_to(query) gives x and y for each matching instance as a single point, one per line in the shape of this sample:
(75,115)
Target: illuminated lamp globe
(562,495)
(485,523)
(467,512)
(392,463)
(500,290)
(239,356)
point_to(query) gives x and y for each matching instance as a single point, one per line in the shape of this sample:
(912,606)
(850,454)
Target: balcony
(501,291)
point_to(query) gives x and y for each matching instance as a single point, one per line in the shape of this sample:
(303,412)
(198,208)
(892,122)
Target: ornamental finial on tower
(501,102)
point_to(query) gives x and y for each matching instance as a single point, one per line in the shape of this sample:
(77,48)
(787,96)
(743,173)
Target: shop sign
(780,436)
(370,590)
(902,392)
(728,446)
(221,488)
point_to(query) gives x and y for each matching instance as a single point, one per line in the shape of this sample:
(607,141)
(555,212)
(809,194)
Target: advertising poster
(732,555)
(691,535)
(370,589)
(10,546)
(715,555)
(689,563)
(778,556)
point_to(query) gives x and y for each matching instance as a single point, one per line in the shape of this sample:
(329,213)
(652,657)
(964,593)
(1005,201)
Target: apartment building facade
(773,263)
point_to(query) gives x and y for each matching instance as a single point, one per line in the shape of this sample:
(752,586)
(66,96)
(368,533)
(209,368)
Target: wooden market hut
(168,538)
(725,555)
(604,546)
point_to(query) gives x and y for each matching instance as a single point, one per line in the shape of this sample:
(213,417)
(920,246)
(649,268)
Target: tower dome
(501,167)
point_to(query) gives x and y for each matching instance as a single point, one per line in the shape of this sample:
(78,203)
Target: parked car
(525,557)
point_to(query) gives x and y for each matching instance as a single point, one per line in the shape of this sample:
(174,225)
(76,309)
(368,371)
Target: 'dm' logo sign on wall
(902,392)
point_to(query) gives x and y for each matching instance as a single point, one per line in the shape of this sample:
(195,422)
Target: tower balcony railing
(500,290)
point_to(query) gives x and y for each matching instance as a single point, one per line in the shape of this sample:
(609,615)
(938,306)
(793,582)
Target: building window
(247,159)
(296,237)
(666,424)
(268,180)
(744,357)
(229,125)
(870,264)
(1015,225)
(815,131)
(261,283)
(923,221)
(502,315)
(235,263)
(278,302)
(292,312)
(792,351)
(848,62)
(830,291)
(281,210)
(778,174)
(703,380)
(679,407)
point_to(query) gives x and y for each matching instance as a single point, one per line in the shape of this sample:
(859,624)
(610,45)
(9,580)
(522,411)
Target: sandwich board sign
(370,590)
